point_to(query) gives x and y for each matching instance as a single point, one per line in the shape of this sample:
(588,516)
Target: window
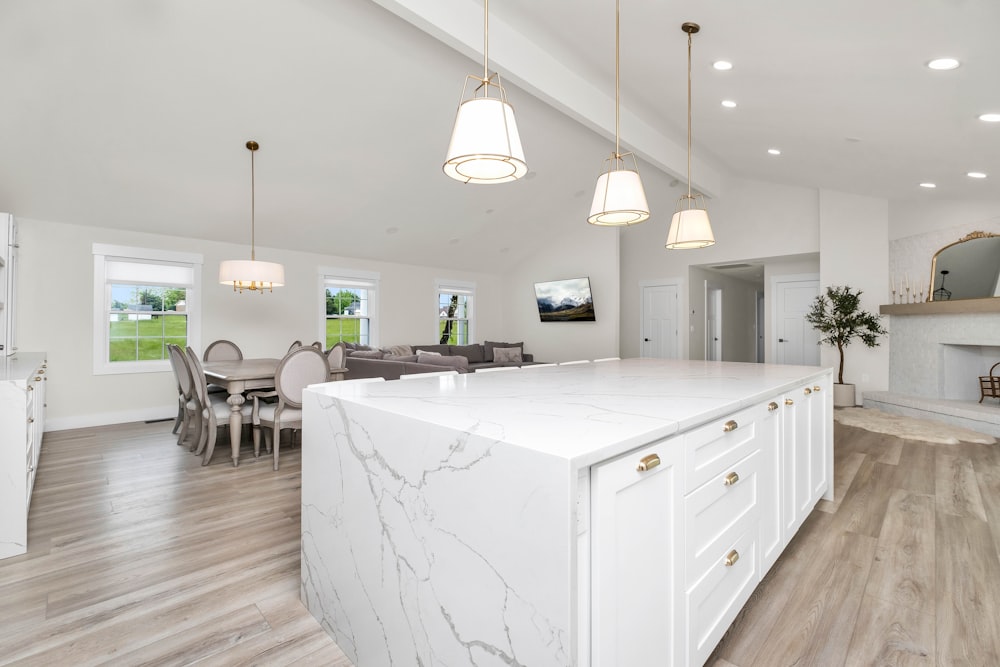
(454,304)
(143,300)
(350,306)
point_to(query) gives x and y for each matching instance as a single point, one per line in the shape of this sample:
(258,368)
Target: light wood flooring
(140,556)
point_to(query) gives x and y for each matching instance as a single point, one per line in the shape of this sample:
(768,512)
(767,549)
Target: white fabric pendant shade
(251,274)
(619,199)
(485,146)
(690,228)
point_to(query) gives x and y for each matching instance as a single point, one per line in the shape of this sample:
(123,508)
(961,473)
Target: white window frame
(449,286)
(369,280)
(102,304)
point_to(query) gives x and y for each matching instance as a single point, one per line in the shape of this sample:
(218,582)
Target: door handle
(645,340)
(781,340)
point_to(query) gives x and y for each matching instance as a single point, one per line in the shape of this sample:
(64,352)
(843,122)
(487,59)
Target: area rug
(909,428)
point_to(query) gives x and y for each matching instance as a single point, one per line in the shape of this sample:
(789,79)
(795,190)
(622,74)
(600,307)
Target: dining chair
(300,368)
(223,350)
(318,345)
(294,346)
(336,356)
(187,404)
(214,411)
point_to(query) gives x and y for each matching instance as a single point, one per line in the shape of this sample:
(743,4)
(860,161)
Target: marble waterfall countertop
(583,412)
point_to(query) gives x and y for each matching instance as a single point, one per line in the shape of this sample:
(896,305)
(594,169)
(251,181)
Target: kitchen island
(613,513)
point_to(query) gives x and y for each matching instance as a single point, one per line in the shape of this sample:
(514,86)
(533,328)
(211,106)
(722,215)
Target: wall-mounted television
(565,300)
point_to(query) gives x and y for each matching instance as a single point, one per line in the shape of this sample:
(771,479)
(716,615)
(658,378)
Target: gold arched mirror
(967,269)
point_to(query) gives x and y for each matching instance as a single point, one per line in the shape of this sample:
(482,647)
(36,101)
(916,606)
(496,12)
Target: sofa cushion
(398,350)
(461,364)
(440,349)
(507,355)
(474,353)
(410,358)
(366,354)
(489,346)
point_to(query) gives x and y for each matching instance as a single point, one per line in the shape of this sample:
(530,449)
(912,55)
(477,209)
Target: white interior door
(713,323)
(796,339)
(660,312)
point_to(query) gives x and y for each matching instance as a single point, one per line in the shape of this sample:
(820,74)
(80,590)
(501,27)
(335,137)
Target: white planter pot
(843,395)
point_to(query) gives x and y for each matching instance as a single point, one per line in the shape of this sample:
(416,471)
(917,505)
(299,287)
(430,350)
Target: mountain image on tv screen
(565,300)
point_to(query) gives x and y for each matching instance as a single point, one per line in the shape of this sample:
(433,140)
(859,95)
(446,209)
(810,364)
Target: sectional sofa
(393,361)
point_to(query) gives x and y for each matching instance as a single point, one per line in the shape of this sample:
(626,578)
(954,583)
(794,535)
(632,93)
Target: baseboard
(108,418)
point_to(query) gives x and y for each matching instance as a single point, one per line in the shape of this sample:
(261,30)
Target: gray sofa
(393,361)
(480,355)
(390,369)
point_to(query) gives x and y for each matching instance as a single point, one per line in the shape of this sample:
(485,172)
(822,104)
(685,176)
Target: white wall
(739,308)
(582,250)
(56,312)
(854,251)
(753,220)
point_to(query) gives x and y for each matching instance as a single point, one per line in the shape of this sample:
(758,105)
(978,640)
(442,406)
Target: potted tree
(838,317)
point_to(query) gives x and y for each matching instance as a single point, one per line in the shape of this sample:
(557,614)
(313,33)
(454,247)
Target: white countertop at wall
(583,412)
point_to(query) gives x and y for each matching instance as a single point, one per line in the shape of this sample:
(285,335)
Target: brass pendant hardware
(816,388)
(789,401)
(772,406)
(648,463)
(732,557)
(731,479)
(807,391)
(730,426)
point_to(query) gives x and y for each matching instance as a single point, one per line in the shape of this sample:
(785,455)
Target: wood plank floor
(140,556)
(901,569)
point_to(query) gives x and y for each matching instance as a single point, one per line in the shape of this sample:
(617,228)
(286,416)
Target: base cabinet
(22,421)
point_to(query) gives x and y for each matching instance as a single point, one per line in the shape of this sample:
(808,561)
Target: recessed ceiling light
(722,65)
(988,117)
(943,63)
(976,174)
(729,104)
(929,186)
(774,151)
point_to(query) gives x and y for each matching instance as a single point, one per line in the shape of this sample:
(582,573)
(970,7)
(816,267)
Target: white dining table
(238,376)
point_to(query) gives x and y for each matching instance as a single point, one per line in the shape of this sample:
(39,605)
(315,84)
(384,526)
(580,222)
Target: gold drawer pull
(31,420)
(38,379)
(731,479)
(41,371)
(732,557)
(648,463)
(817,388)
(772,406)
(730,426)
(31,387)
(807,391)
(789,401)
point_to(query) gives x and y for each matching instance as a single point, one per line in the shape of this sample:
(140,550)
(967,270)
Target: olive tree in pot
(838,317)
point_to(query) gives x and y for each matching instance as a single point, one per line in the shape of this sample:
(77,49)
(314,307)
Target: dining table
(238,376)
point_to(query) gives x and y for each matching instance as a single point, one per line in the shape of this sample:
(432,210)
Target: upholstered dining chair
(318,345)
(223,350)
(296,344)
(214,411)
(300,368)
(336,356)
(187,404)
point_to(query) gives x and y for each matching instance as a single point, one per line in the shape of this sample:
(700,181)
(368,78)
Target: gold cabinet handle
(38,378)
(648,463)
(730,426)
(41,371)
(789,401)
(31,420)
(807,391)
(817,388)
(31,387)
(732,557)
(772,406)
(731,479)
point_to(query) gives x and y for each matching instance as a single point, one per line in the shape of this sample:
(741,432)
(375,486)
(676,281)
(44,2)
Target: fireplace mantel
(991,305)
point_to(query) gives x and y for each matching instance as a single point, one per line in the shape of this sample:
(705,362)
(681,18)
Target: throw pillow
(461,364)
(429,353)
(398,350)
(507,355)
(367,354)
(489,346)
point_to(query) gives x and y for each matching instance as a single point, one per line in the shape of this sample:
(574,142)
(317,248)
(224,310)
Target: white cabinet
(635,532)
(806,452)
(8,272)
(22,418)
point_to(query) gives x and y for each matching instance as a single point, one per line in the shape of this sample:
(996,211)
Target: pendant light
(619,198)
(690,226)
(252,275)
(485,146)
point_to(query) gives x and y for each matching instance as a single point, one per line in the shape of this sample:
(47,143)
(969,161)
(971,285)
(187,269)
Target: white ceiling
(134,115)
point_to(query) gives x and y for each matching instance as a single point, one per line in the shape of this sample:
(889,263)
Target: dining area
(222,389)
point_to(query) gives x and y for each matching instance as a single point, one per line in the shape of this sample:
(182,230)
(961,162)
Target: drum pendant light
(619,198)
(485,146)
(690,226)
(251,275)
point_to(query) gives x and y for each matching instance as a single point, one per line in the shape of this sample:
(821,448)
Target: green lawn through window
(146,340)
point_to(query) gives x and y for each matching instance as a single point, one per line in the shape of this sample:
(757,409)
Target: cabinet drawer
(713,602)
(711,448)
(719,510)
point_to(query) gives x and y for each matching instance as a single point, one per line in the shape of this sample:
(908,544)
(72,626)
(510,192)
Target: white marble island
(554,516)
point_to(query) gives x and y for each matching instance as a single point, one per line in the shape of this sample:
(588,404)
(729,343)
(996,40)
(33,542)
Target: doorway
(660,314)
(713,323)
(796,342)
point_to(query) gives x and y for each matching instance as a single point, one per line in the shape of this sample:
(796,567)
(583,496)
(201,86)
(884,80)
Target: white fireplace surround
(934,366)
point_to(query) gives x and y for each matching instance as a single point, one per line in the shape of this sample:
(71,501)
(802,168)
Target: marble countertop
(582,413)
(19,365)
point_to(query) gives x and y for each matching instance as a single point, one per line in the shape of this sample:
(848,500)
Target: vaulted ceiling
(134,115)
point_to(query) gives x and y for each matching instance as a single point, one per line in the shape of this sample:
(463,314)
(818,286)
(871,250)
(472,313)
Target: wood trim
(960,307)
